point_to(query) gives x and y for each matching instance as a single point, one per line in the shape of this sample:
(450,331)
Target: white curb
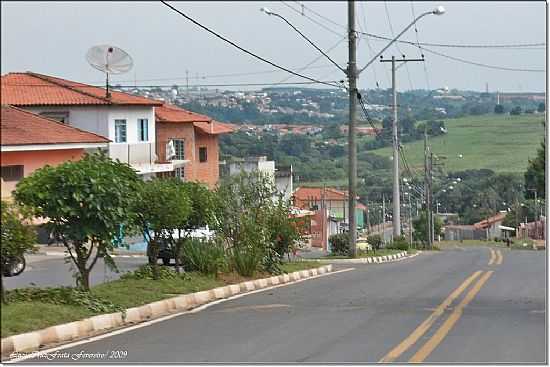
(29,342)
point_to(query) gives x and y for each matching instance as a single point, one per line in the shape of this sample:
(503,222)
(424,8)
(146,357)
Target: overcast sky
(52,38)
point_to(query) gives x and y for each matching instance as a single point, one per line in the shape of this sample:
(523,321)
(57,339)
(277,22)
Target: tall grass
(206,257)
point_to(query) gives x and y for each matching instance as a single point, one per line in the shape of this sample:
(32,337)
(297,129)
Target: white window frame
(118,137)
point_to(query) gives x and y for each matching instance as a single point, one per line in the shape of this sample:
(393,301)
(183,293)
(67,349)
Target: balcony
(142,157)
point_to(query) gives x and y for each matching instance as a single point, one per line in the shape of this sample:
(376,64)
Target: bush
(206,257)
(62,296)
(375,240)
(399,243)
(246,260)
(146,272)
(340,244)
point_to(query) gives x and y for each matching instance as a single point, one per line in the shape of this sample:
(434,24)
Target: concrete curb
(370,260)
(32,341)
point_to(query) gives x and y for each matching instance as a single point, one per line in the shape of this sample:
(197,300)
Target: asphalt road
(396,312)
(51,271)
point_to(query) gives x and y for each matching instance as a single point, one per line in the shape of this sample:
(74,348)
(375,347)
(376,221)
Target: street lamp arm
(394,40)
(304,37)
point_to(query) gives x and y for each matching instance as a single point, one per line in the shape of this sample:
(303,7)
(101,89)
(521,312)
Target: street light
(440,10)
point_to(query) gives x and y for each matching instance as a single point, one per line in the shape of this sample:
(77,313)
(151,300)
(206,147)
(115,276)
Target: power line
(482,64)
(243,49)
(313,20)
(396,46)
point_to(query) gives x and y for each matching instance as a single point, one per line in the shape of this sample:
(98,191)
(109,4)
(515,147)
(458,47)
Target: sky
(53,38)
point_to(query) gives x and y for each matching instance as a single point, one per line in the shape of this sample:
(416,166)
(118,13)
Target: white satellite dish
(110,60)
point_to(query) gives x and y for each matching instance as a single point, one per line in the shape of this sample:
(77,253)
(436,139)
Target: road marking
(425,326)
(440,334)
(160,319)
(499,257)
(492,259)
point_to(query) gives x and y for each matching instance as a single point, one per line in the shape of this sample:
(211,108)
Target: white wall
(101,119)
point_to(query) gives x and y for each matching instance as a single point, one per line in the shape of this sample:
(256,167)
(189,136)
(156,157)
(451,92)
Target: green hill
(501,143)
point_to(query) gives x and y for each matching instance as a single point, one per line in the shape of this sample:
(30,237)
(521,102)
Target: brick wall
(206,172)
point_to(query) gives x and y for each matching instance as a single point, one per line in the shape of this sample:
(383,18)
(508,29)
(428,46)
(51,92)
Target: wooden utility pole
(352,149)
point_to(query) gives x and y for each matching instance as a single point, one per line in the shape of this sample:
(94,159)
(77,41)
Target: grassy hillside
(500,143)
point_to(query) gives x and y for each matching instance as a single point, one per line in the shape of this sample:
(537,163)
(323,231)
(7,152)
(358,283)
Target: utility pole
(430,192)
(410,222)
(352,79)
(187,82)
(427,174)
(395,141)
(383,219)
(368,216)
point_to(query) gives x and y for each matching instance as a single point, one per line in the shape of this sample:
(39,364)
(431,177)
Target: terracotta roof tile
(32,89)
(315,193)
(173,114)
(20,127)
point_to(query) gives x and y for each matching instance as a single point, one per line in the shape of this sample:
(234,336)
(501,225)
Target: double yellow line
(444,329)
(496,257)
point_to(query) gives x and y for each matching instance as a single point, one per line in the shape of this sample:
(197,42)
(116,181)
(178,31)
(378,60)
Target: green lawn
(20,317)
(501,143)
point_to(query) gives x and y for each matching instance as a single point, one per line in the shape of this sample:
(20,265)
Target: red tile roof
(20,127)
(305,194)
(491,220)
(32,89)
(173,114)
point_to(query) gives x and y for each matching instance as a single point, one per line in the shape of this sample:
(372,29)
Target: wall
(209,171)
(32,160)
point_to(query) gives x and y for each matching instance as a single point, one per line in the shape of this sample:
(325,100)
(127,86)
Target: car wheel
(166,261)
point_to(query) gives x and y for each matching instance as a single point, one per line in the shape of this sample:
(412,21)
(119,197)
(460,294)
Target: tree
(162,206)
(420,233)
(17,238)
(541,107)
(201,214)
(499,109)
(516,111)
(86,202)
(534,176)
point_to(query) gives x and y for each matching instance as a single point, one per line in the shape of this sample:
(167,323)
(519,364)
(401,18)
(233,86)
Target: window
(202,154)
(179,147)
(61,116)
(180,173)
(120,131)
(143,129)
(12,173)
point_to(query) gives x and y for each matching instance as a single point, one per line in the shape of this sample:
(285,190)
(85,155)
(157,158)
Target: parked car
(13,265)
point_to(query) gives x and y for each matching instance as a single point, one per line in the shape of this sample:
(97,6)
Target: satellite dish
(110,60)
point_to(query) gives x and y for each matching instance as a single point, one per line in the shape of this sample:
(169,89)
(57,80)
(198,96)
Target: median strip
(95,325)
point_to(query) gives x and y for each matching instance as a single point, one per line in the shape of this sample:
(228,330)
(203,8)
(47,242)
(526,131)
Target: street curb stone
(370,260)
(32,341)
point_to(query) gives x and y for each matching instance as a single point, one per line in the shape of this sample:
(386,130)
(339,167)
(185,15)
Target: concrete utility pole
(395,141)
(383,219)
(430,192)
(352,79)
(427,185)
(410,222)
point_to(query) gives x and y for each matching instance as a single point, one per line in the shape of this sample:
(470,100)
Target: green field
(497,142)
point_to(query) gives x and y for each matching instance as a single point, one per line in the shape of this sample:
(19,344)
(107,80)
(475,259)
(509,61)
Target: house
(492,225)
(193,138)
(335,201)
(30,141)
(127,121)
(281,177)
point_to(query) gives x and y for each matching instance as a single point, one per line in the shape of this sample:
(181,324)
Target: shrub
(207,257)
(375,240)
(340,244)
(146,272)
(63,296)
(245,260)
(399,243)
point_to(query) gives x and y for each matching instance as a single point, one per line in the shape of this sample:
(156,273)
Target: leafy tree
(499,109)
(516,111)
(162,206)
(420,233)
(534,176)
(541,107)
(17,238)
(202,213)
(86,202)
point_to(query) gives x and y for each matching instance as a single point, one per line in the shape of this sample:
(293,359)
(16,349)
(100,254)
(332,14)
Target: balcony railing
(133,154)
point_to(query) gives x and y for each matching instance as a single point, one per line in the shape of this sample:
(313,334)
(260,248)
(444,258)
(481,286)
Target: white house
(127,120)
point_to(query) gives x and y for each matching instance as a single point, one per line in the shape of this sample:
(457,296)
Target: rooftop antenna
(110,60)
